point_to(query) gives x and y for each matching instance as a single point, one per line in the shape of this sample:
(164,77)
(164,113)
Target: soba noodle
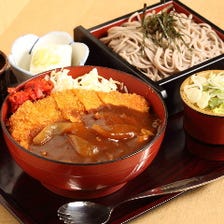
(199,43)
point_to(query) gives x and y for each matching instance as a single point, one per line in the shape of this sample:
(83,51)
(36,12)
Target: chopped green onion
(207,92)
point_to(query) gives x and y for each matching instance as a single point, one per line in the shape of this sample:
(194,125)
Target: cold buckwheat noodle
(199,43)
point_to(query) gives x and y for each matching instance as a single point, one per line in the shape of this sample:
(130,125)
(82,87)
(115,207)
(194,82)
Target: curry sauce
(106,133)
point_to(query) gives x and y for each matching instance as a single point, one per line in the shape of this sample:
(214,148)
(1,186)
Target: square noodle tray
(102,55)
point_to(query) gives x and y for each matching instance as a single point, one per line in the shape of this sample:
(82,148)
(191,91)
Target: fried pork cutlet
(31,117)
(69,105)
(132,101)
(89,99)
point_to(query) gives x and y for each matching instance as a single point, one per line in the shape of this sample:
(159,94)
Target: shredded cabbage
(207,92)
(89,81)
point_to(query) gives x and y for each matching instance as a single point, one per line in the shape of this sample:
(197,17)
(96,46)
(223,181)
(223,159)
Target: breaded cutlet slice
(48,111)
(69,105)
(132,101)
(20,124)
(89,98)
(30,118)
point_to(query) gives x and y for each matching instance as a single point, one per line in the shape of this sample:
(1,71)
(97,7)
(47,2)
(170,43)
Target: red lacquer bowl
(204,150)
(202,125)
(98,179)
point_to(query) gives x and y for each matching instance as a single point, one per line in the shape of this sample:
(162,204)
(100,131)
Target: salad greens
(207,92)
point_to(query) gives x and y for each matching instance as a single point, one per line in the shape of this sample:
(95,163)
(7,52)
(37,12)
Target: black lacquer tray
(31,203)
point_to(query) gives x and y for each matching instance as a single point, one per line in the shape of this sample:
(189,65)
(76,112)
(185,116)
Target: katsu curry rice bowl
(83,132)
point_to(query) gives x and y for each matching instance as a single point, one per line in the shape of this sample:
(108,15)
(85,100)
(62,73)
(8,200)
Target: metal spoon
(87,212)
